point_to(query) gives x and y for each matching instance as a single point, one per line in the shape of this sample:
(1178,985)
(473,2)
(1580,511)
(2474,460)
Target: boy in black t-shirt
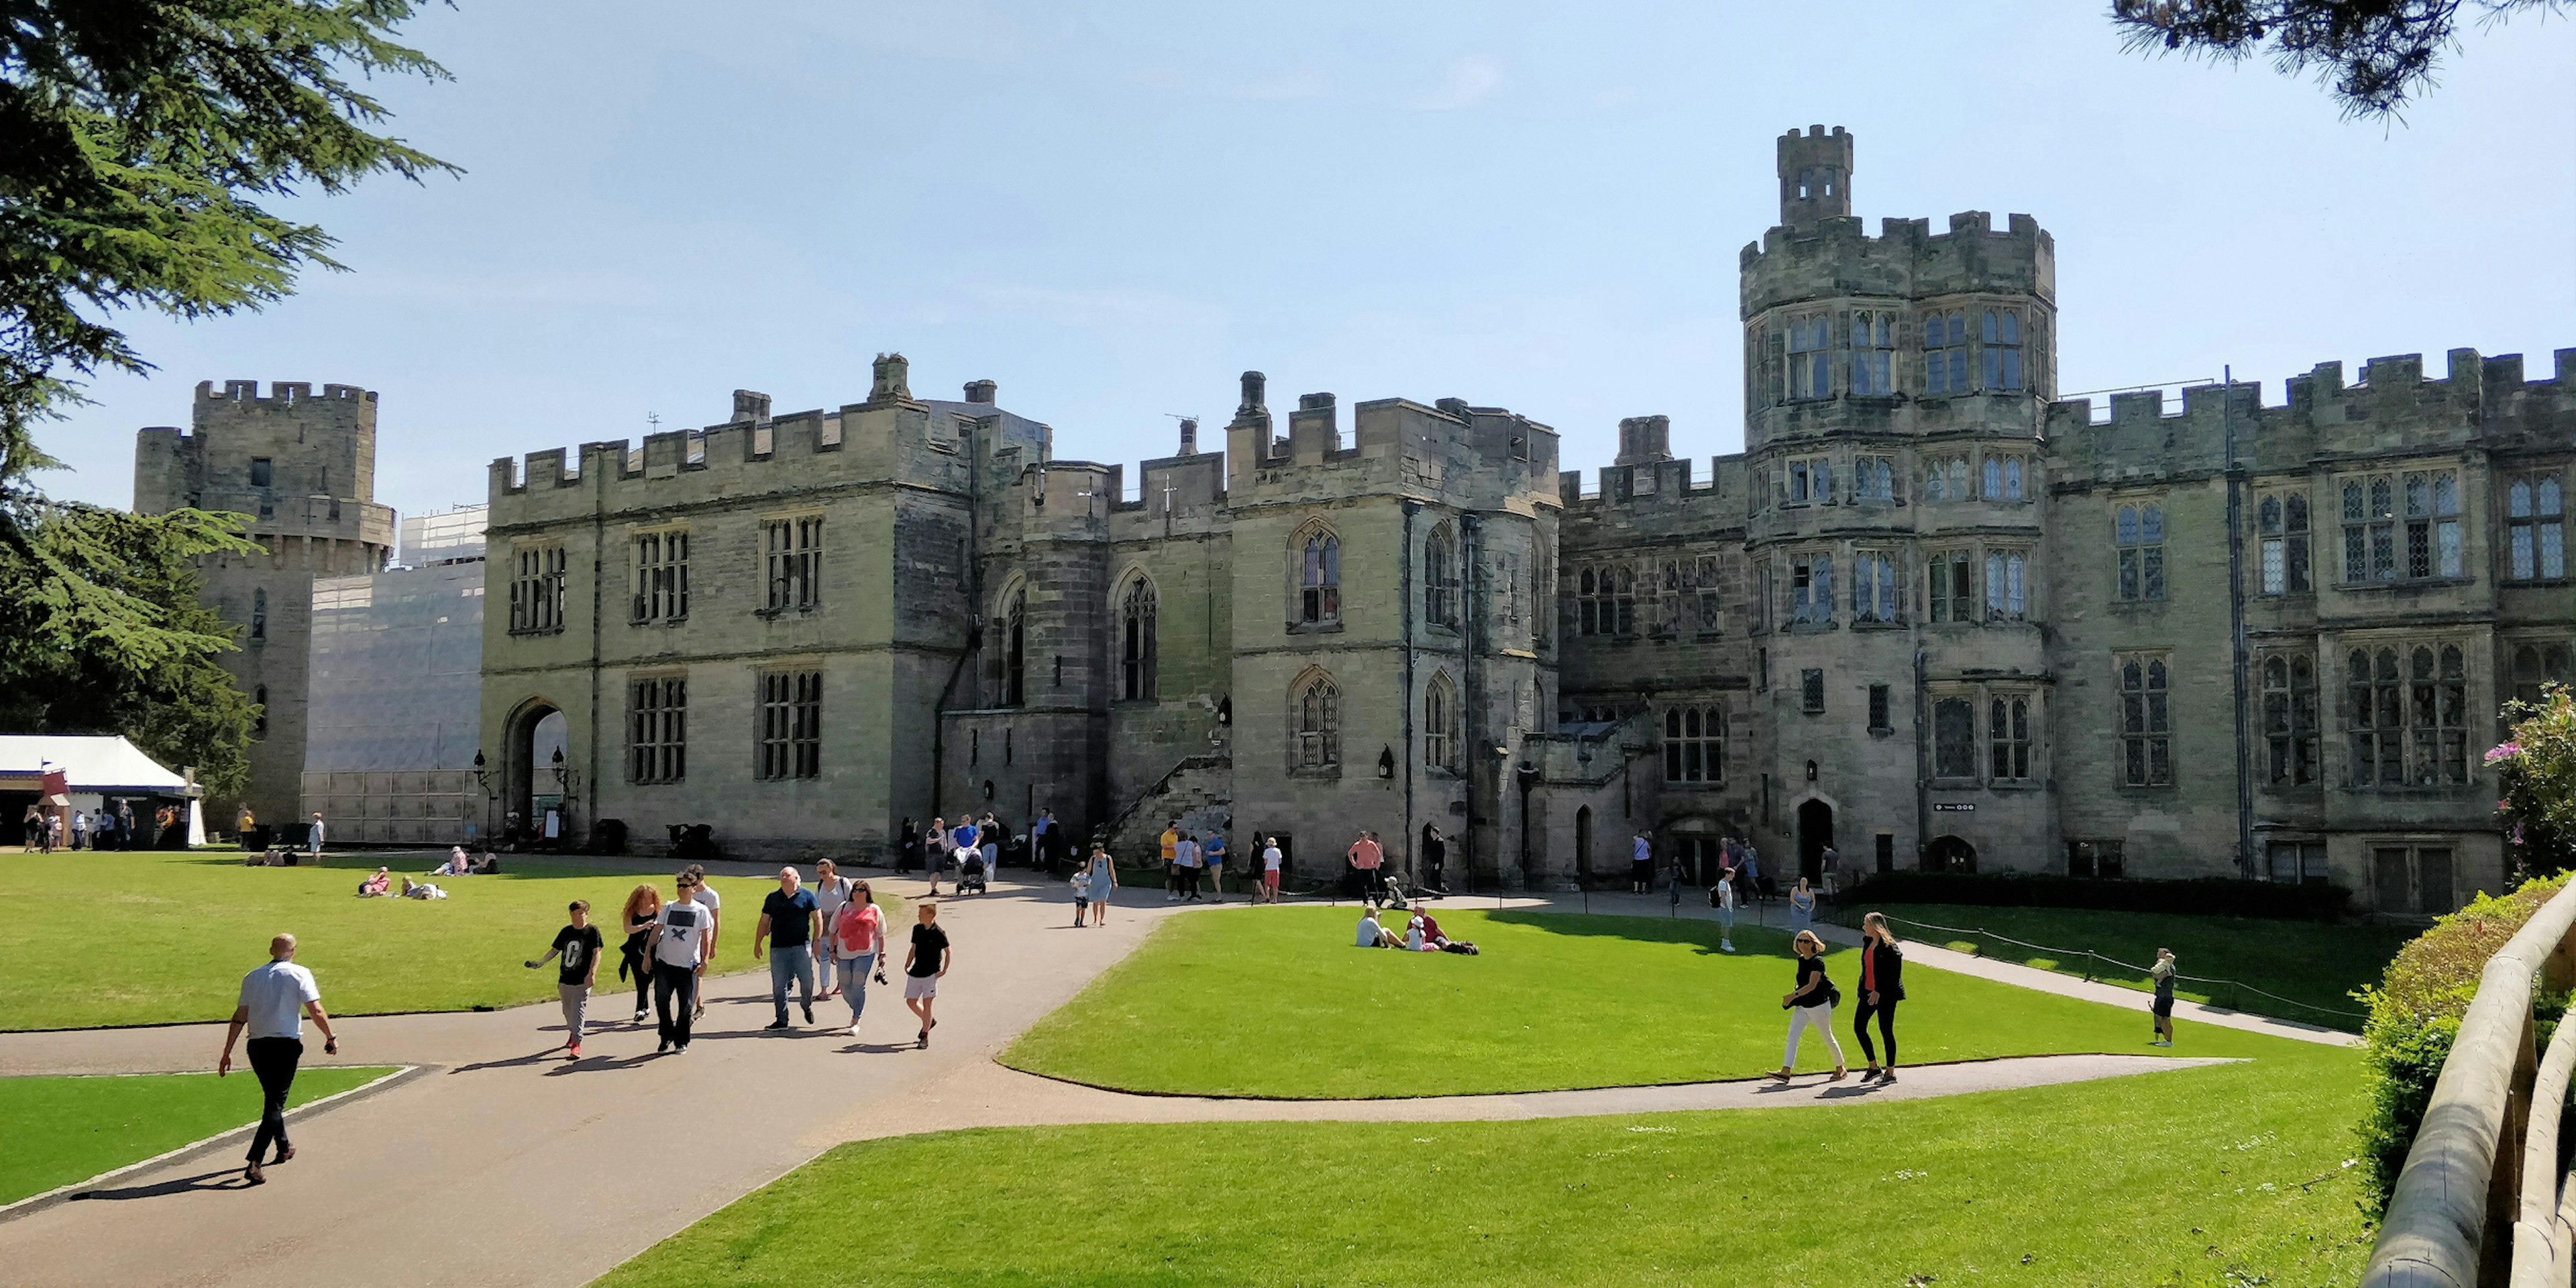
(578,944)
(923,964)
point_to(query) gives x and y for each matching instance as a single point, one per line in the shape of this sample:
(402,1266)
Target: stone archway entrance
(532,779)
(1815,836)
(1949,854)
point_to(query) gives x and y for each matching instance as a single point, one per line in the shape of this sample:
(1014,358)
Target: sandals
(1839,1074)
(1783,1075)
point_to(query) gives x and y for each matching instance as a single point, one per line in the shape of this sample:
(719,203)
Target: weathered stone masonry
(1931,616)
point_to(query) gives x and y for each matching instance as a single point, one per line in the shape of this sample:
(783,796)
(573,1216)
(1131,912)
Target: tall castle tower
(303,468)
(1894,391)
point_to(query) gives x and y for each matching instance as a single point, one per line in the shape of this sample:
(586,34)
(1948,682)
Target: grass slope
(2308,962)
(2221,1176)
(1275,1002)
(62,1130)
(151,938)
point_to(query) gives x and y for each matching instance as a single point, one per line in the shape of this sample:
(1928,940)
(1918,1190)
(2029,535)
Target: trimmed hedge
(2206,896)
(2415,1014)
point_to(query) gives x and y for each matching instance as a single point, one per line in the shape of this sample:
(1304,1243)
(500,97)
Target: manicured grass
(2225,1176)
(150,938)
(62,1130)
(2313,963)
(1276,1002)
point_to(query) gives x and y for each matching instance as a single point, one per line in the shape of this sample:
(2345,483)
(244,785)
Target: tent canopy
(103,764)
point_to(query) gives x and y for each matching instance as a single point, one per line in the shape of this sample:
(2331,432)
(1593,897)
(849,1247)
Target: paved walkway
(503,1165)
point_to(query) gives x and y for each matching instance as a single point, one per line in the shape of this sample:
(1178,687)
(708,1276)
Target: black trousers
(675,994)
(641,967)
(1189,883)
(274,1060)
(1886,1013)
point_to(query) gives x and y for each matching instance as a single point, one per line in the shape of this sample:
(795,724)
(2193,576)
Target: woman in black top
(643,904)
(1882,986)
(1811,1005)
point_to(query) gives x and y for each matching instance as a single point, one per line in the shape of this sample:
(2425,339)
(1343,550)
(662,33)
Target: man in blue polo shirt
(792,920)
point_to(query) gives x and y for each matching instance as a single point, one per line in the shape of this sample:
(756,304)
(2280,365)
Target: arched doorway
(1949,854)
(535,760)
(1583,845)
(1815,836)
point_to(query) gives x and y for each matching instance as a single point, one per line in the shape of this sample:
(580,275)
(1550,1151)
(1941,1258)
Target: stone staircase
(1199,791)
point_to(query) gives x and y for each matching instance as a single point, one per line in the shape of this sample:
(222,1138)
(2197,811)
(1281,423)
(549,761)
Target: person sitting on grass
(377,886)
(456,865)
(1373,935)
(488,865)
(1435,939)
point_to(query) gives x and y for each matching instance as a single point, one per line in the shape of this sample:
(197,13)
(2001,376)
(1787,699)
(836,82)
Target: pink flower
(2503,752)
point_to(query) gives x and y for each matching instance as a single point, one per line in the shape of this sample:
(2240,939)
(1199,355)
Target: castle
(1932,616)
(302,469)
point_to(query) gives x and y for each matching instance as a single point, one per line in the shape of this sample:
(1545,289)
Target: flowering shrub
(2537,766)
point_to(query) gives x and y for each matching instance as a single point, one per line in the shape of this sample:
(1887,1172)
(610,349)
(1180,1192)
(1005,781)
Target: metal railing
(2237,986)
(2481,1200)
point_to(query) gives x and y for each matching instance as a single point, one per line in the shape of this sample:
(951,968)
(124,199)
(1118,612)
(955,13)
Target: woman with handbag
(1811,1005)
(1882,986)
(858,948)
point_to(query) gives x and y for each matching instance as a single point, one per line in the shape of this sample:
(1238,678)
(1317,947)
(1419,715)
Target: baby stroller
(970,875)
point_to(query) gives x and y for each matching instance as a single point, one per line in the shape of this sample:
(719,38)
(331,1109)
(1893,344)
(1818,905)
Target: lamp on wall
(1386,762)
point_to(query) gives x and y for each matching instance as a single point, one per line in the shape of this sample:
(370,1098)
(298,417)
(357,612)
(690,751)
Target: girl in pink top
(858,948)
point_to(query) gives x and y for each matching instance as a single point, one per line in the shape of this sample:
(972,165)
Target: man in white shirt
(274,1000)
(714,904)
(682,939)
(318,830)
(1270,861)
(1185,860)
(831,890)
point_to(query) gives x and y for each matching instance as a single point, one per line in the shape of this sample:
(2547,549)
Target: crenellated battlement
(2392,408)
(281,391)
(1666,483)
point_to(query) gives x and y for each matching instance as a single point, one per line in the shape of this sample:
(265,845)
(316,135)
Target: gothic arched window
(1440,724)
(1315,714)
(1136,641)
(1015,639)
(1440,577)
(1319,578)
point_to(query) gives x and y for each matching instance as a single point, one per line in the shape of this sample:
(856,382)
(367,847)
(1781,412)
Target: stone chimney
(1645,438)
(1189,435)
(893,379)
(1255,401)
(980,391)
(749,405)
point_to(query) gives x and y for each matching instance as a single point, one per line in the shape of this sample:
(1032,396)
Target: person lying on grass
(377,886)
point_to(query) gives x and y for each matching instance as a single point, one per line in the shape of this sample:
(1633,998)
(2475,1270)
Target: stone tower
(303,468)
(1895,387)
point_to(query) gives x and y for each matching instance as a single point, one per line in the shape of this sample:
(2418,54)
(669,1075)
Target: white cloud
(1469,82)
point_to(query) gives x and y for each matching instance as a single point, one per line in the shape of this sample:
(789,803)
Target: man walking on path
(682,934)
(831,890)
(1171,864)
(923,964)
(579,945)
(1212,862)
(1641,864)
(790,917)
(714,904)
(2163,973)
(1270,861)
(274,1000)
(316,839)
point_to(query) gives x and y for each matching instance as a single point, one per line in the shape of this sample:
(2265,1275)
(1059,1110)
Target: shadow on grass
(1750,941)
(414,863)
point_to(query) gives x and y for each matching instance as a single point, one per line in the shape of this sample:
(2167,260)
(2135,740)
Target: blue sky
(1113,210)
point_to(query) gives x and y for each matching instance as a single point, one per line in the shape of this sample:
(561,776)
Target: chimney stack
(749,405)
(1189,435)
(980,391)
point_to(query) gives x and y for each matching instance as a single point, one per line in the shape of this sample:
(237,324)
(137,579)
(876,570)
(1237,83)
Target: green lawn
(2226,1176)
(1275,1002)
(62,1130)
(2313,963)
(154,938)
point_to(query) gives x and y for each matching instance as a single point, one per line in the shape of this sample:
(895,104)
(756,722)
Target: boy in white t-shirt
(1270,859)
(714,904)
(1081,896)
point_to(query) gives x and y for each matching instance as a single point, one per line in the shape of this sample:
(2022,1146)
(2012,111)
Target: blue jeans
(790,961)
(854,983)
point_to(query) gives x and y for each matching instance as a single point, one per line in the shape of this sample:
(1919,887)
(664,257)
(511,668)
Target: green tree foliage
(101,632)
(137,141)
(2537,765)
(2375,55)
